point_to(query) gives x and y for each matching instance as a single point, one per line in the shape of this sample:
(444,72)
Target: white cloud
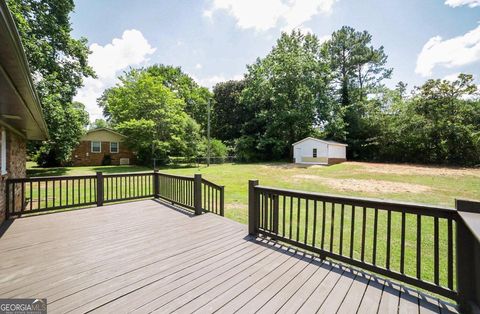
(266,14)
(457,3)
(198,66)
(325,38)
(451,77)
(450,53)
(132,49)
(211,81)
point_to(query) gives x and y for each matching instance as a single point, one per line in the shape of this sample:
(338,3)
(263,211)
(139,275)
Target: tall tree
(58,63)
(229,114)
(358,70)
(286,90)
(196,97)
(152,116)
(439,123)
(98,124)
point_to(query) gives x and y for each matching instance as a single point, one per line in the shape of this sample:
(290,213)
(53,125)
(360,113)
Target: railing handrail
(212,184)
(364,202)
(46,178)
(127,174)
(175,176)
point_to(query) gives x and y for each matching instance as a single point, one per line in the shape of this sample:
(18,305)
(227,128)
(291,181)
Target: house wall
(83,156)
(336,154)
(337,151)
(16,168)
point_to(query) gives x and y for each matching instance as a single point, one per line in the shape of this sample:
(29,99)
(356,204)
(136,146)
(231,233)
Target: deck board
(146,256)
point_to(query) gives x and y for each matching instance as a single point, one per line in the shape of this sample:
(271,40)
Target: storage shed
(319,152)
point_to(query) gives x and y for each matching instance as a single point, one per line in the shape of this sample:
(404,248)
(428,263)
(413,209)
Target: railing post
(468,256)
(100,196)
(156,184)
(197,193)
(222,201)
(252,208)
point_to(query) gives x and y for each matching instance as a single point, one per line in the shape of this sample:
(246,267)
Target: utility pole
(208,133)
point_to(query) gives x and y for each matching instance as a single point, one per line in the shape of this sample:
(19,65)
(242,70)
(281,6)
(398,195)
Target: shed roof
(319,140)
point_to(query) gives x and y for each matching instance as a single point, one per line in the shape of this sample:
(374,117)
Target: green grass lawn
(421,184)
(440,187)
(34,171)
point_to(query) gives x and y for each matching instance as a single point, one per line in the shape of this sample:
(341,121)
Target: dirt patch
(369,186)
(416,169)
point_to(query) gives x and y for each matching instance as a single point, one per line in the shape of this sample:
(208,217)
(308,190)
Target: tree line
(302,87)
(336,90)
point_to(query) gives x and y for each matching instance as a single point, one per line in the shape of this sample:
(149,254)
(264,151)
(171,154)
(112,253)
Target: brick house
(100,144)
(21,117)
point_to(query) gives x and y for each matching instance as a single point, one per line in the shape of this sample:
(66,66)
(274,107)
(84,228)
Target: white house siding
(337,151)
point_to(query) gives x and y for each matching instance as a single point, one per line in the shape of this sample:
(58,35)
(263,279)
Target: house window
(3,153)
(96,147)
(113,147)
(314,153)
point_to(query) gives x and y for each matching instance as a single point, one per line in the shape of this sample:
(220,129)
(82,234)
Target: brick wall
(80,158)
(16,168)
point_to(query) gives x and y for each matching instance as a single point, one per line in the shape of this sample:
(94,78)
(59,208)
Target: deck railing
(176,189)
(213,197)
(415,244)
(33,195)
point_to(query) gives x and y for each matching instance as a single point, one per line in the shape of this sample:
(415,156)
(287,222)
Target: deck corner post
(252,208)
(197,193)
(156,184)
(222,201)
(468,256)
(100,196)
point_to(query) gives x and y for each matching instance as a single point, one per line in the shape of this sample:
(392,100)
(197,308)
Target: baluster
(375,231)
(53,193)
(332,226)
(46,194)
(291,218)
(66,192)
(364,229)
(314,232)
(22,188)
(436,254)
(389,230)
(283,216)
(31,196)
(298,219)
(306,221)
(402,246)
(450,254)
(352,232)
(419,245)
(323,224)
(342,212)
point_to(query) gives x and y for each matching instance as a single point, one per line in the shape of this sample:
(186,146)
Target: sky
(214,40)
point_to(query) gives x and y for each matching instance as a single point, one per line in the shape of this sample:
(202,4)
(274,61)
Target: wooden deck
(147,257)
